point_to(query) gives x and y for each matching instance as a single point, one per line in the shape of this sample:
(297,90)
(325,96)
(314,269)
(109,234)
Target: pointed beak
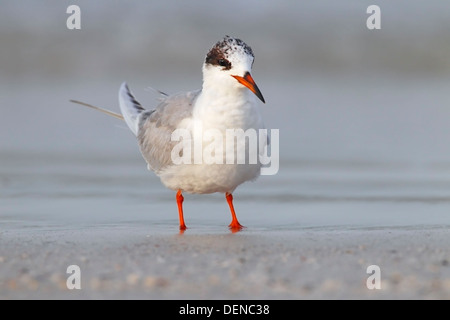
(248,81)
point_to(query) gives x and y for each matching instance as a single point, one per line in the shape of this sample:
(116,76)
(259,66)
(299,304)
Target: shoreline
(123,262)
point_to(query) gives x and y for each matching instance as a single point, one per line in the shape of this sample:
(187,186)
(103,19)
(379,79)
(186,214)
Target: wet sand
(141,262)
(114,220)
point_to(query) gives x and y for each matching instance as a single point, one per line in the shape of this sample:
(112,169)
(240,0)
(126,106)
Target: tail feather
(111,113)
(131,109)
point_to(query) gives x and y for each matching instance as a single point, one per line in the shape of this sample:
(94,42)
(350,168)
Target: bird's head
(228,64)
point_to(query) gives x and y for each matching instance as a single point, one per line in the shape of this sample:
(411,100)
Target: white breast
(215,115)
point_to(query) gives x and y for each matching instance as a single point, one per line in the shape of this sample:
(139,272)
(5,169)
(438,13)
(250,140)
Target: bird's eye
(223,62)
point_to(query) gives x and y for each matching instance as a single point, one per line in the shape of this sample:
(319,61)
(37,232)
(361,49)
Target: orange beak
(248,81)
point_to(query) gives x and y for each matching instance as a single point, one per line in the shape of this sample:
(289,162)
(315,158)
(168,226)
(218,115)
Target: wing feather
(156,128)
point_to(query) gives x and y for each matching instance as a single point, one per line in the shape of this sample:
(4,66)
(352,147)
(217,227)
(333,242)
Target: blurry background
(359,111)
(334,88)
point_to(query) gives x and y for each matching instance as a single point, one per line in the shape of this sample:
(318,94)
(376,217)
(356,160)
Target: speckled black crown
(218,55)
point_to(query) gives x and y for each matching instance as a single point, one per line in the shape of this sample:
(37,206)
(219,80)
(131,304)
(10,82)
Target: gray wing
(156,127)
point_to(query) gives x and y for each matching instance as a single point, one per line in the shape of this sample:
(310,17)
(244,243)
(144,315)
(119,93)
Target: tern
(225,102)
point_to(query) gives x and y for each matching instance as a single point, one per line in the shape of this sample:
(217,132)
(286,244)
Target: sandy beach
(311,263)
(313,243)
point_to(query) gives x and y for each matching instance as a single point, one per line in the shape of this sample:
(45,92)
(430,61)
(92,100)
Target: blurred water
(56,191)
(363,115)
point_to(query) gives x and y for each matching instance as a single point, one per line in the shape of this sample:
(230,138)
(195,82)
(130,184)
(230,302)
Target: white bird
(223,103)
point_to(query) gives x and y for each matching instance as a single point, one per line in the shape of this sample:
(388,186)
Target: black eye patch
(224,63)
(216,57)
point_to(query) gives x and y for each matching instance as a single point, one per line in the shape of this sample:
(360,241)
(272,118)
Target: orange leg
(180,199)
(234,225)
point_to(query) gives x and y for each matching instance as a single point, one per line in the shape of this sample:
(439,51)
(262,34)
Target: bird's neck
(226,107)
(228,92)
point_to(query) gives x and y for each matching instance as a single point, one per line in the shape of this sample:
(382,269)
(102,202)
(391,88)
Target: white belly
(208,178)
